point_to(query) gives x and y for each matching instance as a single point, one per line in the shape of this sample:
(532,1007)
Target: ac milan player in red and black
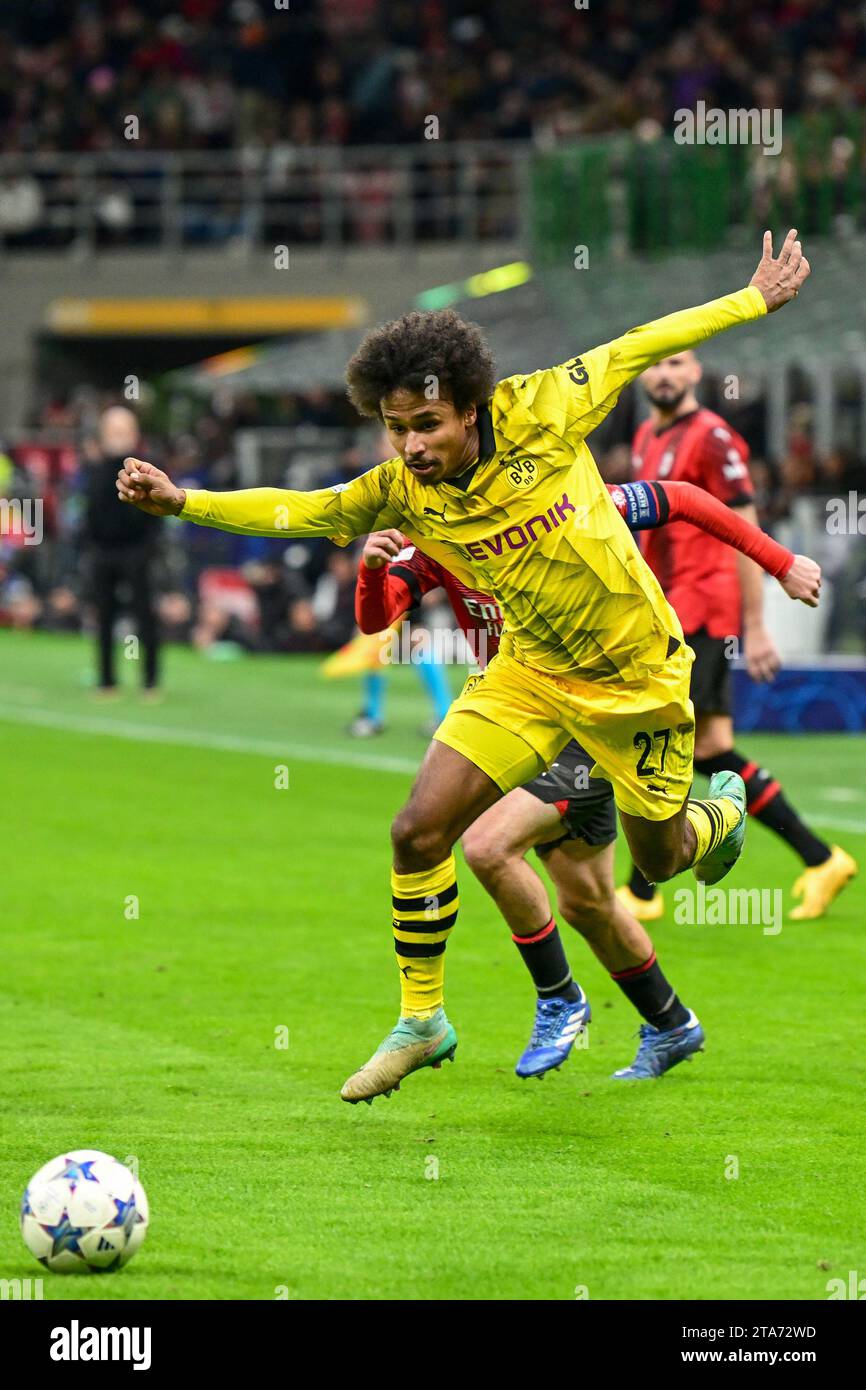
(567,816)
(716,594)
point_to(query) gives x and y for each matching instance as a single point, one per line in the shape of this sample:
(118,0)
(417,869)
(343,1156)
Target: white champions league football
(83,1212)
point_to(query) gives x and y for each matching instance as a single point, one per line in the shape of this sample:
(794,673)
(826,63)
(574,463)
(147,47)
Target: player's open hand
(761,654)
(779,279)
(803,581)
(381,547)
(148,488)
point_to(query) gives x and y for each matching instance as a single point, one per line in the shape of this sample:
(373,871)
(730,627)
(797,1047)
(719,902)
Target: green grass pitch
(262,909)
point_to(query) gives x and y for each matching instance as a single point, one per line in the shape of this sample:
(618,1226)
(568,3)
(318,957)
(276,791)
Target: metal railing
(619,194)
(320,196)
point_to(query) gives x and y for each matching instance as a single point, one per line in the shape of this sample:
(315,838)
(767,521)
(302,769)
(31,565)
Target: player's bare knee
(588,912)
(484,853)
(418,844)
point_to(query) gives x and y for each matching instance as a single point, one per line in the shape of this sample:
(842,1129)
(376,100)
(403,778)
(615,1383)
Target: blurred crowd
(230,593)
(274,82)
(217,74)
(274,78)
(212,589)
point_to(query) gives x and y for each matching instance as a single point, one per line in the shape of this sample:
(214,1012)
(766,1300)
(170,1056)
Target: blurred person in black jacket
(121,545)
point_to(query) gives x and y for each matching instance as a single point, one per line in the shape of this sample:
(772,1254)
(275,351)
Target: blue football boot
(659,1051)
(557,1023)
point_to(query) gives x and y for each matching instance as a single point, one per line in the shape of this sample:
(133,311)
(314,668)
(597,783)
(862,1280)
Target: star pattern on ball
(65,1236)
(127,1215)
(78,1172)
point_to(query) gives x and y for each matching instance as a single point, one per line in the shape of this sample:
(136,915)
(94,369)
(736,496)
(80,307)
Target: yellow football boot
(820,885)
(644,909)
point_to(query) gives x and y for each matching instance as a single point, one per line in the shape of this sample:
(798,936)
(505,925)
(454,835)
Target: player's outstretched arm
(776,281)
(574,398)
(341,512)
(645,506)
(799,576)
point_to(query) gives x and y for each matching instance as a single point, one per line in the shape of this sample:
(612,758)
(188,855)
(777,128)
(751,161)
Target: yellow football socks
(425,909)
(711,822)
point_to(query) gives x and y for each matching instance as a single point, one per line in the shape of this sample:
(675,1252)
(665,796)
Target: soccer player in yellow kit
(496,481)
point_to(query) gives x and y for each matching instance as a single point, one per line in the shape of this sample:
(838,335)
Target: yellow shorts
(511,721)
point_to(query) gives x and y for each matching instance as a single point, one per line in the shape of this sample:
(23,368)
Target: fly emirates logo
(517,537)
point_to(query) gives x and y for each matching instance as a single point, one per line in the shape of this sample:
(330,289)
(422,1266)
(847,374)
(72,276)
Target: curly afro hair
(409,351)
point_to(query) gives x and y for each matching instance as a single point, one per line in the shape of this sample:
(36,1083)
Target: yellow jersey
(530,521)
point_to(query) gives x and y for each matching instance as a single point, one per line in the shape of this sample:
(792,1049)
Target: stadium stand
(208,125)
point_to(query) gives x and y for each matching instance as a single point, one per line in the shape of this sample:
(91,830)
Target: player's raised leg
(648,758)
(704,835)
(826,868)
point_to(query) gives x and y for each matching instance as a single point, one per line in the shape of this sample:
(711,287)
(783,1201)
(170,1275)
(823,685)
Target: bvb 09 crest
(521,472)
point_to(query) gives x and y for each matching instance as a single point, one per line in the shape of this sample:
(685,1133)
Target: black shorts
(587,806)
(711,673)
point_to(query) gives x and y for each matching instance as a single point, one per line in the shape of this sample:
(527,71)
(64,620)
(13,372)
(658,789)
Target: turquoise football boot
(414,1043)
(714,866)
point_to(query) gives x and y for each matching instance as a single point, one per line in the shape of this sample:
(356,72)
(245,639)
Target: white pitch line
(271,748)
(194,738)
(857,827)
